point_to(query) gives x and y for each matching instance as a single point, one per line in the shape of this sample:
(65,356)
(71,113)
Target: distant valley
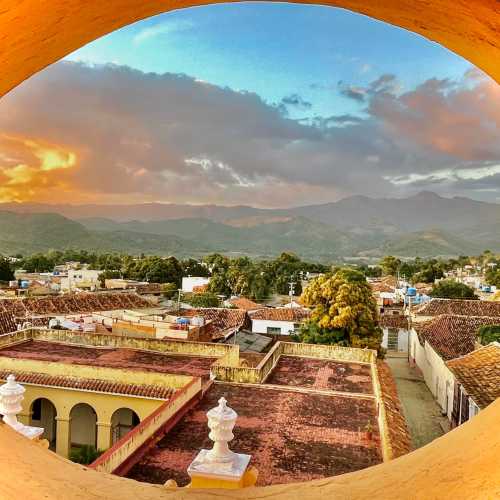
(423,225)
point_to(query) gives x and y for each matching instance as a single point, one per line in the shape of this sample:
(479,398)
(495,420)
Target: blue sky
(277,50)
(282,105)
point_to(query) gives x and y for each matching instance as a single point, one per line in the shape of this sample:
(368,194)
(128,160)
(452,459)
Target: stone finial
(221,420)
(11,397)
(220,467)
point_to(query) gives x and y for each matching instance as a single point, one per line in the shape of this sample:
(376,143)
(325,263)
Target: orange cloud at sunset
(29,169)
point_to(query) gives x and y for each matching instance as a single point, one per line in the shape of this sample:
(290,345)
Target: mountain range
(424,225)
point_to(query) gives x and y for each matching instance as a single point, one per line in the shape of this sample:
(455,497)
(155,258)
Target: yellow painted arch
(34,33)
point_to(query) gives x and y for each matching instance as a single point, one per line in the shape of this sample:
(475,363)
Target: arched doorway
(123,421)
(83,426)
(43,413)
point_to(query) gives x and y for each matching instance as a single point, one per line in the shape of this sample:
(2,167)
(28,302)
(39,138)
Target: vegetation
(207,299)
(6,273)
(488,334)
(344,311)
(493,276)
(85,454)
(450,289)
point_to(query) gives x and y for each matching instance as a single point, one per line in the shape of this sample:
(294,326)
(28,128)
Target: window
(273,330)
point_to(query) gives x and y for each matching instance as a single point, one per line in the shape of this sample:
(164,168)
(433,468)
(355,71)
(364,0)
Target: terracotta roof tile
(7,323)
(394,321)
(452,336)
(281,314)
(479,373)
(245,304)
(398,431)
(459,306)
(68,304)
(223,320)
(95,385)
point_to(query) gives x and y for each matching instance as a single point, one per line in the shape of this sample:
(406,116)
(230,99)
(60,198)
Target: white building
(189,283)
(435,342)
(278,321)
(80,279)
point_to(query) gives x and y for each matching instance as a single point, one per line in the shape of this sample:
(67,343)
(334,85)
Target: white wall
(261,325)
(403,339)
(437,376)
(189,282)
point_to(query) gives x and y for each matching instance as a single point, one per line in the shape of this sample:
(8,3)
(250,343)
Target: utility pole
(290,293)
(179,290)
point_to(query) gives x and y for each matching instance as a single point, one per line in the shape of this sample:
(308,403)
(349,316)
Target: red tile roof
(245,304)
(281,314)
(394,321)
(223,320)
(452,336)
(94,385)
(479,373)
(459,306)
(7,323)
(74,303)
(398,431)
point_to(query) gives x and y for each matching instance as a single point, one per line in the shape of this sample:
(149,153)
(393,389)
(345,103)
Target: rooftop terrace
(111,357)
(322,374)
(292,436)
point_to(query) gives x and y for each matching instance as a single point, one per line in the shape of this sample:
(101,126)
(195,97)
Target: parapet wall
(232,372)
(160,345)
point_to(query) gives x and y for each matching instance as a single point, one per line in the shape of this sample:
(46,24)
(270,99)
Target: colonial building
(279,320)
(477,382)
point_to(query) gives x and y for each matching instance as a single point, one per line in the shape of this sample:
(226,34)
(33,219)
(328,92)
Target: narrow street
(422,413)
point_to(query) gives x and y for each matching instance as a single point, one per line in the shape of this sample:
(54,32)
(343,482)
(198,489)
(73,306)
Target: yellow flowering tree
(344,311)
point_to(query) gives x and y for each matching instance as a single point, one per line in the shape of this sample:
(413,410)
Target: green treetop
(344,311)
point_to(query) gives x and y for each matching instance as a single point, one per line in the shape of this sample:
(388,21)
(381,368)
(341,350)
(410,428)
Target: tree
(343,311)
(430,271)
(191,267)
(488,334)
(390,265)
(6,273)
(206,299)
(492,276)
(450,289)
(106,275)
(168,290)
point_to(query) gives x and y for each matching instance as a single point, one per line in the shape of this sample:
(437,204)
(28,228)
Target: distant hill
(30,233)
(424,225)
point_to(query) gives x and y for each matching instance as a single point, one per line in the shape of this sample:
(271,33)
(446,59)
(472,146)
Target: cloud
(352,92)
(295,100)
(165,28)
(111,134)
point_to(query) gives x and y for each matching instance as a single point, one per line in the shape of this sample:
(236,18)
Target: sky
(269,105)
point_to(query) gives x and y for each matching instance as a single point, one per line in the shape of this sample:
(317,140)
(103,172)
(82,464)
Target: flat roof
(306,422)
(322,374)
(124,358)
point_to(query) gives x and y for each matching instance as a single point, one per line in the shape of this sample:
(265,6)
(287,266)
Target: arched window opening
(122,422)
(83,426)
(43,414)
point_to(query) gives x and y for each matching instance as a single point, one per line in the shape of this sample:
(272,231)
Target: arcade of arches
(73,418)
